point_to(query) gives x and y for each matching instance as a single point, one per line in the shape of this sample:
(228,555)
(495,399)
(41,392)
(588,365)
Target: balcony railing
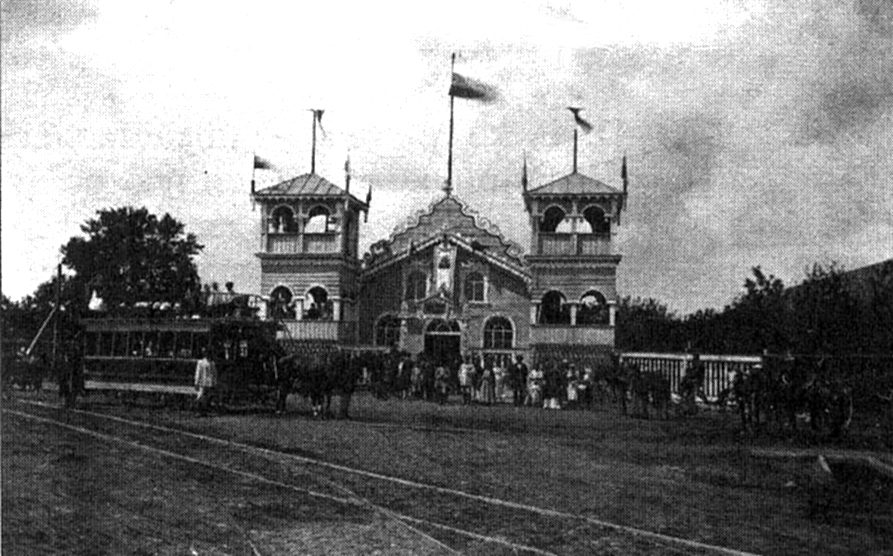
(328,330)
(594,244)
(320,243)
(291,243)
(575,244)
(571,335)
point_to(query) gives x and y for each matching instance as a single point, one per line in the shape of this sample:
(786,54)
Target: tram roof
(144,324)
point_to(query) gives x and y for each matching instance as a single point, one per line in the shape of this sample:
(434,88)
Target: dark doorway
(443,342)
(442,349)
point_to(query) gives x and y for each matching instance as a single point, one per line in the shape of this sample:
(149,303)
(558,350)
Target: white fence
(719,368)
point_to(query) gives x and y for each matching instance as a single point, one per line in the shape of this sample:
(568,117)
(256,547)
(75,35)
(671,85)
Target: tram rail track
(485,519)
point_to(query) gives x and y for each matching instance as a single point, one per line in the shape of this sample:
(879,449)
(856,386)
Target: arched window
(280,303)
(416,286)
(441,326)
(498,333)
(317,305)
(593,309)
(598,224)
(319,221)
(475,287)
(282,221)
(387,331)
(551,219)
(554,309)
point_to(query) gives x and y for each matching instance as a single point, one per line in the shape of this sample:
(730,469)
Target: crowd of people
(549,383)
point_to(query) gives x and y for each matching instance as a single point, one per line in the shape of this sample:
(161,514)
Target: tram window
(136,344)
(150,344)
(105,343)
(166,344)
(120,344)
(184,344)
(200,342)
(90,339)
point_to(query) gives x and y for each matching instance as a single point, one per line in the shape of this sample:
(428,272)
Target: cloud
(757,133)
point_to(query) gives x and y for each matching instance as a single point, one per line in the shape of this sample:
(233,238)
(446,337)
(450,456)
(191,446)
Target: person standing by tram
(205,380)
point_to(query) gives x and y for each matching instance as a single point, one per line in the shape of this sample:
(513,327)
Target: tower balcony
(572,334)
(572,244)
(295,244)
(344,332)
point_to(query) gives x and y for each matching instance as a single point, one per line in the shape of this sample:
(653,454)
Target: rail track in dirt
(449,519)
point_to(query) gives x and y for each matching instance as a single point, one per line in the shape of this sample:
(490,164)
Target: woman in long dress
(488,386)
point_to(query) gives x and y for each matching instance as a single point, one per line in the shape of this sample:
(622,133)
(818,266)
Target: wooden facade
(447,282)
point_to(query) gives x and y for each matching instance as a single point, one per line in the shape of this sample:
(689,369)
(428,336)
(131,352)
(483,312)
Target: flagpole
(575,150)
(313,146)
(448,187)
(253,169)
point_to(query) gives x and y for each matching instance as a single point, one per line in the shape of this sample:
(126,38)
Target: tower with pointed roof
(309,239)
(573,261)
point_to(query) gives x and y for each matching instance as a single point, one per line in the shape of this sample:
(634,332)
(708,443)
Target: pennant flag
(464,87)
(368,200)
(262,163)
(317,113)
(584,125)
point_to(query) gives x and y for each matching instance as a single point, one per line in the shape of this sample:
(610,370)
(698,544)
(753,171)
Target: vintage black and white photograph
(549,277)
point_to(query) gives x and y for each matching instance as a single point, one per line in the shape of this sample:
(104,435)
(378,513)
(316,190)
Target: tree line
(832,312)
(124,255)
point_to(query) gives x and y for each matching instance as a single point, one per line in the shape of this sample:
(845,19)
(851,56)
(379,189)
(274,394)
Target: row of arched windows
(475,286)
(554,220)
(498,331)
(317,305)
(591,309)
(282,220)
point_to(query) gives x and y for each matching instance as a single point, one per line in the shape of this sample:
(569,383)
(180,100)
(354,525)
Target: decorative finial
(624,176)
(524,173)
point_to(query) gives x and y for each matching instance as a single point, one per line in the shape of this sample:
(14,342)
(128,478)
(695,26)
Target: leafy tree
(825,312)
(759,315)
(645,324)
(130,255)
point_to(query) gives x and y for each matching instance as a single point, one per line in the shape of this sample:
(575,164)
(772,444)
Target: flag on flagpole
(584,125)
(262,163)
(317,113)
(464,87)
(368,200)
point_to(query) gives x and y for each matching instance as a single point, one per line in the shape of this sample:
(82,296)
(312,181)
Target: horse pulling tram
(158,356)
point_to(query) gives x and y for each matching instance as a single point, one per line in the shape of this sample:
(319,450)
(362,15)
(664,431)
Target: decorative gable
(448,216)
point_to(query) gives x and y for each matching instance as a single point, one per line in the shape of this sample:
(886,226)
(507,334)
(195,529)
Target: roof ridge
(582,179)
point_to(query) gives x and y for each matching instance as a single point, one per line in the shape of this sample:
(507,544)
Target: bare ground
(694,479)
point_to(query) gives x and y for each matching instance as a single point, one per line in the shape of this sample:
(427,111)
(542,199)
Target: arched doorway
(443,342)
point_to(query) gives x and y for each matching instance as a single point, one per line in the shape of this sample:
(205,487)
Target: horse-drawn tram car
(158,356)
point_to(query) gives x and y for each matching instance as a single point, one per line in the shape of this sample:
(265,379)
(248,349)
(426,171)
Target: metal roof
(305,185)
(575,184)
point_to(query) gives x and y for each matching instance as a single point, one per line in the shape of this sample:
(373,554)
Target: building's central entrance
(443,342)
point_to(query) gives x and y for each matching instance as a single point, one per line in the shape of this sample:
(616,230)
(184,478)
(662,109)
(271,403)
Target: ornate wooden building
(447,282)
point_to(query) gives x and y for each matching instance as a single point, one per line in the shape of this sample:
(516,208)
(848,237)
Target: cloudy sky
(758,132)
